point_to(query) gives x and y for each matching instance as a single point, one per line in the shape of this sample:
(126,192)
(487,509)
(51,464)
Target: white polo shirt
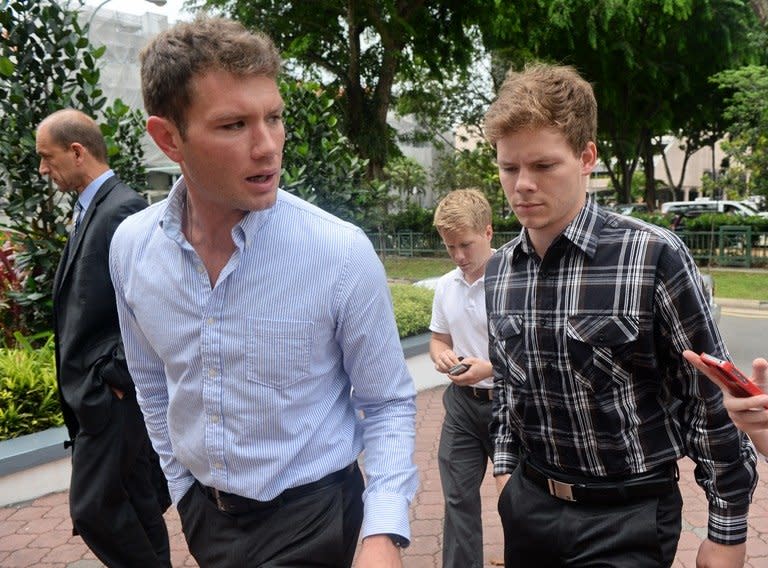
(459,311)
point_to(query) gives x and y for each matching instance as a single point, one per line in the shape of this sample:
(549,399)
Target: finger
(760,372)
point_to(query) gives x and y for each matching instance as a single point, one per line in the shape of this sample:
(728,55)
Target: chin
(264,201)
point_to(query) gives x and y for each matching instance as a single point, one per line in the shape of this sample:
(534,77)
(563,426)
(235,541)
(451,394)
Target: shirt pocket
(279,352)
(601,349)
(508,343)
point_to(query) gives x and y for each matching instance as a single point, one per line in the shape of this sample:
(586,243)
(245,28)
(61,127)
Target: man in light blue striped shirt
(259,328)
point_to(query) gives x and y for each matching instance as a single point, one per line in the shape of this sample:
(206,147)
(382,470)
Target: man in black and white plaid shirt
(589,313)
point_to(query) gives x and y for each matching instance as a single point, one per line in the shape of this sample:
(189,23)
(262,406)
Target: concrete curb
(28,464)
(742,304)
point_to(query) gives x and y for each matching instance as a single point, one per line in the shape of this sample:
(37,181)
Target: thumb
(760,373)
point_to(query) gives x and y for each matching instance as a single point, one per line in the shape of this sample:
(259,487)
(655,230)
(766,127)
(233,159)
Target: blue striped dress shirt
(279,374)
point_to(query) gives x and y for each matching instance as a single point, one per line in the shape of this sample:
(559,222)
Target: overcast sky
(172,8)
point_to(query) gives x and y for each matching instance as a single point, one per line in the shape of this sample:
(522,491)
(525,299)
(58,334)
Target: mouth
(526,206)
(264,178)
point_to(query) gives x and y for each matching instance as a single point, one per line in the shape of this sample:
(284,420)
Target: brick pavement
(38,533)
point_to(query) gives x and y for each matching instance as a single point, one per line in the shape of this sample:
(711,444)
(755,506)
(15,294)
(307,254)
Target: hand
(714,555)
(748,414)
(118,393)
(479,369)
(501,481)
(378,551)
(445,360)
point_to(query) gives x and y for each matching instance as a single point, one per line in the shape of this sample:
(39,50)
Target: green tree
(471,169)
(361,47)
(747,113)
(319,163)
(46,63)
(407,178)
(649,61)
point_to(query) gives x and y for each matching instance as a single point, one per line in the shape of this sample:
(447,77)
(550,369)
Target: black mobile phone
(458,369)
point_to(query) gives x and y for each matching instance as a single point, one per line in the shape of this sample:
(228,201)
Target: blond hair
(463,209)
(549,96)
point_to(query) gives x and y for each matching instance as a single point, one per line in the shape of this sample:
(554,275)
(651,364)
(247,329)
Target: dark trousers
(113,500)
(546,532)
(465,447)
(318,529)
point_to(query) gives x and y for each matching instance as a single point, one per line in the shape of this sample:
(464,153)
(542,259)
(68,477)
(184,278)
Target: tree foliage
(406,177)
(319,163)
(471,169)
(648,59)
(359,48)
(46,64)
(747,113)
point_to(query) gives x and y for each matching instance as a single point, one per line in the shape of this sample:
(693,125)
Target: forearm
(392,478)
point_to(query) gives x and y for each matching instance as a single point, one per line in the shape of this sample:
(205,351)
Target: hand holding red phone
(747,411)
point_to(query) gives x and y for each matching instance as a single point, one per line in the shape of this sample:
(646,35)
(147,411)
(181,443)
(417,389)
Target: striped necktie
(76,215)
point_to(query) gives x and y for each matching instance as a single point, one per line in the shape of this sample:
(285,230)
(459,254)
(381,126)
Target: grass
(416,268)
(729,283)
(741,284)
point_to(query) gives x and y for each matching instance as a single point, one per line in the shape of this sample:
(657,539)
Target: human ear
(588,158)
(166,136)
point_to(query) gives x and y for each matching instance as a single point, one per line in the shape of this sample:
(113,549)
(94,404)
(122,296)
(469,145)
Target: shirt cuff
(504,461)
(179,487)
(386,513)
(728,526)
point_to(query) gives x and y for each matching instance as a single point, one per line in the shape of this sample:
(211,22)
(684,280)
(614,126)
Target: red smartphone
(737,383)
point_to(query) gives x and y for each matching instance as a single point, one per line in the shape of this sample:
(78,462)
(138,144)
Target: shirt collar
(86,196)
(171,219)
(583,231)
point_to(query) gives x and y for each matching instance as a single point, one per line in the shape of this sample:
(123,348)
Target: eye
(510,169)
(544,166)
(237,125)
(276,118)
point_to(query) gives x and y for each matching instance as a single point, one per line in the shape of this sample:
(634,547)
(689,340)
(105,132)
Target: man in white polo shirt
(459,348)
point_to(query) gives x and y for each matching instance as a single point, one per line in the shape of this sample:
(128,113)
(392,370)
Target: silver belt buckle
(561,490)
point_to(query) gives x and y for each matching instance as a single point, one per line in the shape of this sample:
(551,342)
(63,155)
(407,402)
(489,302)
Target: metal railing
(732,245)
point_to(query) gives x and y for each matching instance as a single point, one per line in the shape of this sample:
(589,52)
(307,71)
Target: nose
(42,168)
(524,180)
(266,140)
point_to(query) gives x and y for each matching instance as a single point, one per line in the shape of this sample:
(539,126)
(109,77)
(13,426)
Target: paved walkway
(38,533)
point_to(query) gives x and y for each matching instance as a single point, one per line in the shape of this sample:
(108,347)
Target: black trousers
(542,531)
(113,500)
(465,448)
(318,529)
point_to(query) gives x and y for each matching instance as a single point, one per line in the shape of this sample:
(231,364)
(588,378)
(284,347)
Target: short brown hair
(189,49)
(67,126)
(463,209)
(544,96)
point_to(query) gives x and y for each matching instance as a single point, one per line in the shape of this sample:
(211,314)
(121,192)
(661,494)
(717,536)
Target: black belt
(654,484)
(237,505)
(475,392)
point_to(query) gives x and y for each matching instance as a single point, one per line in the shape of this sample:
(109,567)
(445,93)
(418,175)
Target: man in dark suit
(116,500)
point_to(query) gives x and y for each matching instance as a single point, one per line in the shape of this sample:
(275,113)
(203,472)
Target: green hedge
(29,401)
(413,308)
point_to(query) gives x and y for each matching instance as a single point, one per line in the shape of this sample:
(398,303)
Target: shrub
(29,400)
(413,308)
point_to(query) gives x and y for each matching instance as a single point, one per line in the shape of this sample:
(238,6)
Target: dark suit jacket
(89,350)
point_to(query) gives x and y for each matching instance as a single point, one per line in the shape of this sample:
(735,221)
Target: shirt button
(213,372)
(210,321)
(200,268)
(215,418)
(218,465)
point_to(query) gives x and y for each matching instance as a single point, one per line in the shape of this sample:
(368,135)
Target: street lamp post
(100,6)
